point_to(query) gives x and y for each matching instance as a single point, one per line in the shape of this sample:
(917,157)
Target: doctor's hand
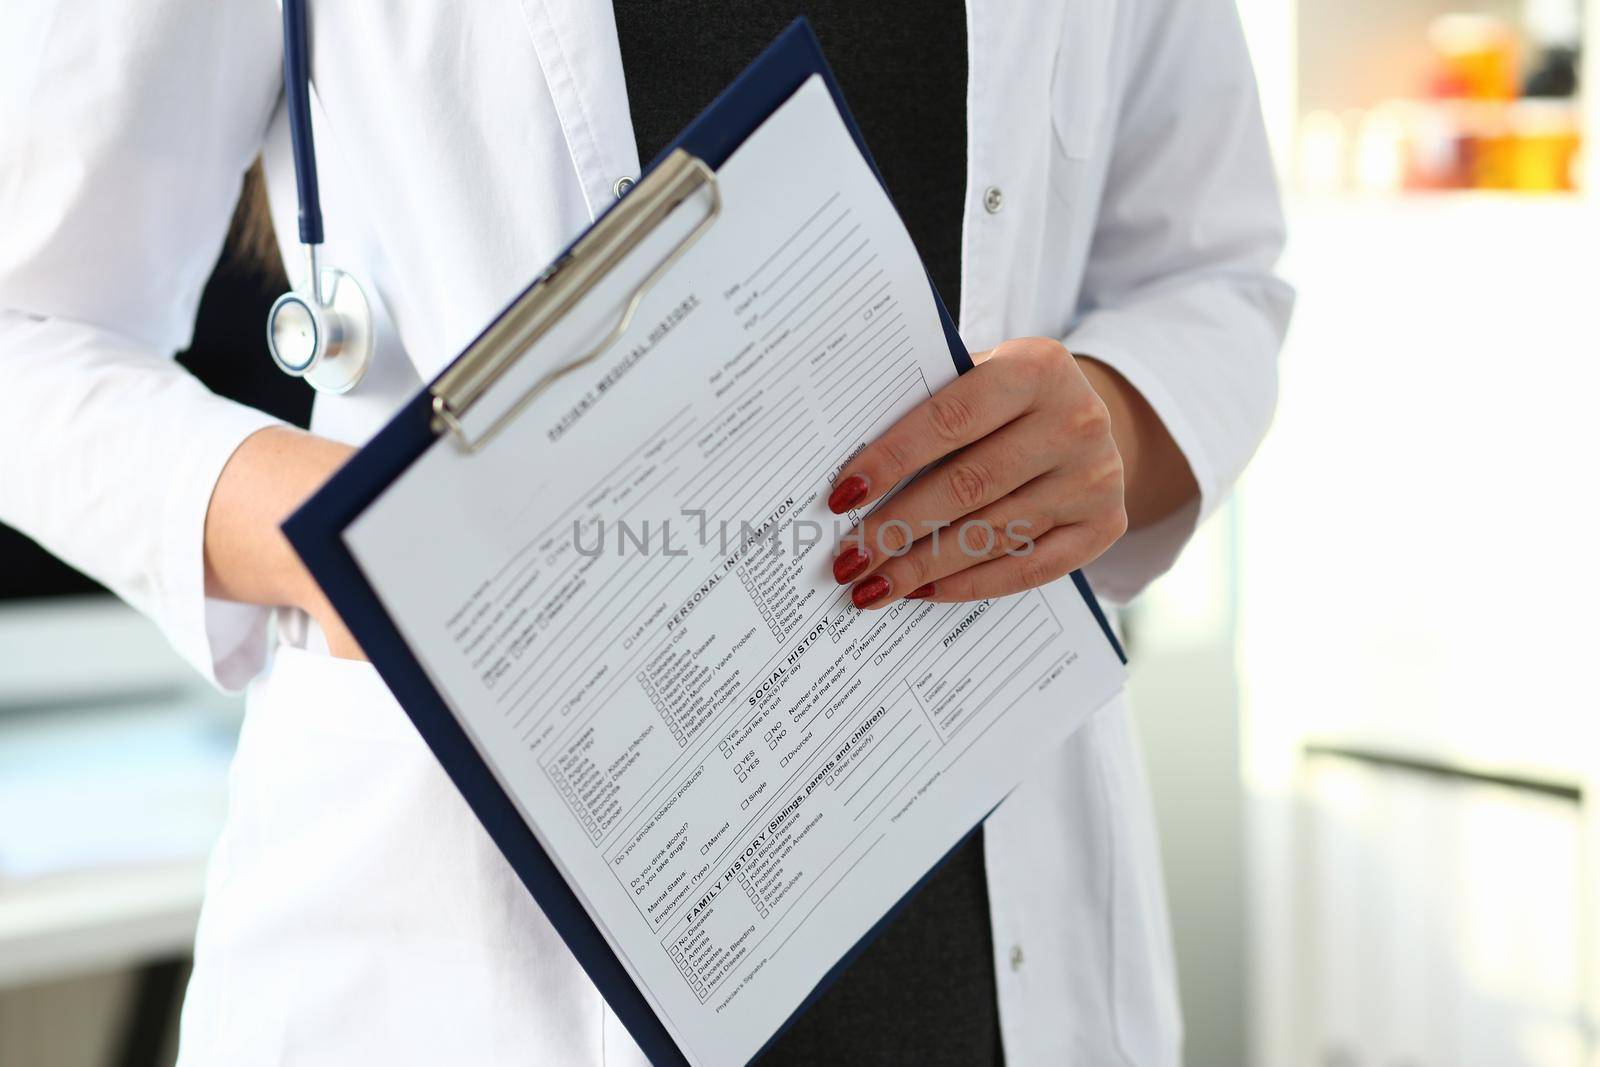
(1036,462)
(247,558)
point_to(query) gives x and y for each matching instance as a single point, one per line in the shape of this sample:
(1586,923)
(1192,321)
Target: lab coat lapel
(576,41)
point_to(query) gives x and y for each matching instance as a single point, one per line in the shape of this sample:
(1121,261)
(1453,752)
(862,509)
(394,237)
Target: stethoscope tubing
(324,335)
(297,96)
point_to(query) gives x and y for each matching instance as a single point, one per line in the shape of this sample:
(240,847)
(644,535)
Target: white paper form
(627,600)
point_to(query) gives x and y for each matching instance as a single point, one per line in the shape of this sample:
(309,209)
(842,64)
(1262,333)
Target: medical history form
(624,596)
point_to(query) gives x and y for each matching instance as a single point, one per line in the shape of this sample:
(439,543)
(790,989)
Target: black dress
(924,991)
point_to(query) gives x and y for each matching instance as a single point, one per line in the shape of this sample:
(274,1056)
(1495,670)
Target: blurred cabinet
(1419,576)
(1444,921)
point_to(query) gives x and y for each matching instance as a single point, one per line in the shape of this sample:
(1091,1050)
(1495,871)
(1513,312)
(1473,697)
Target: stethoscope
(324,335)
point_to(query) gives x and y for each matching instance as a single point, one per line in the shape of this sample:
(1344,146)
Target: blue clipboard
(316,532)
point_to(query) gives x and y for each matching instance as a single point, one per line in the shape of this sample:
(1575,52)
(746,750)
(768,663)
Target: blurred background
(1367,692)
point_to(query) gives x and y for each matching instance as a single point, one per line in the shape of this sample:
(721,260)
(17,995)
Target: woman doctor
(1111,225)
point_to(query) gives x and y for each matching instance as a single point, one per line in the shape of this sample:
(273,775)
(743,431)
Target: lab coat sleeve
(1179,294)
(125,129)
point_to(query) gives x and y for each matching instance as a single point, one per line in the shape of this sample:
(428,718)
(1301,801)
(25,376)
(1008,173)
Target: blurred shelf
(1518,779)
(87,922)
(83,649)
(1535,232)
(107,816)
(1438,198)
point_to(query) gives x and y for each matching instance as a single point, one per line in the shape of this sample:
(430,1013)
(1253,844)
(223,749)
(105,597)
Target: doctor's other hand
(247,558)
(1037,462)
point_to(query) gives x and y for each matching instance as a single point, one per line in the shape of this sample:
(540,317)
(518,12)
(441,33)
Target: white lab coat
(356,913)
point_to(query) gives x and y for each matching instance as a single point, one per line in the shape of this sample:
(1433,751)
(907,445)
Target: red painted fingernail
(870,591)
(849,563)
(920,592)
(847,494)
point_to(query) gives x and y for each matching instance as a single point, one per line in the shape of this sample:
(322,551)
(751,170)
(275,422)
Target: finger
(1055,555)
(969,408)
(962,485)
(1010,525)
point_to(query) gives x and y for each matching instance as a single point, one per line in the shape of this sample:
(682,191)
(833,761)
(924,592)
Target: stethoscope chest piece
(324,337)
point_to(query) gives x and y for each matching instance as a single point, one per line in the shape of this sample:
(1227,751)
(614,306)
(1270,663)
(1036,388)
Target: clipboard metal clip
(562,286)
